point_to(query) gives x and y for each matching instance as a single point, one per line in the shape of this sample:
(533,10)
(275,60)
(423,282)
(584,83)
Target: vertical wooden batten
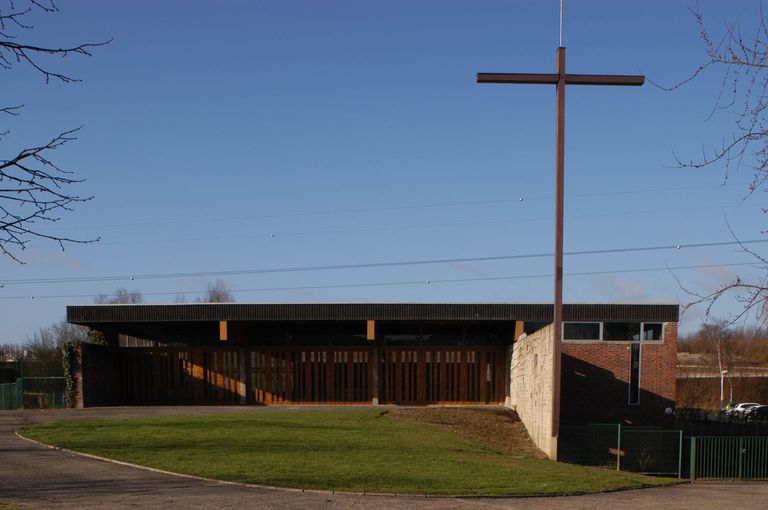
(373,362)
(519,330)
(223,331)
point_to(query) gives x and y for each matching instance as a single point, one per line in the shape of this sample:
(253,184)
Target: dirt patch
(499,427)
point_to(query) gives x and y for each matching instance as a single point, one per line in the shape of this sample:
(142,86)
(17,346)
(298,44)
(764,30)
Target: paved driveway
(37,477)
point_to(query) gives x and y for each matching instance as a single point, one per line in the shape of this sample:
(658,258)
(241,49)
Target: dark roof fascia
(96,314)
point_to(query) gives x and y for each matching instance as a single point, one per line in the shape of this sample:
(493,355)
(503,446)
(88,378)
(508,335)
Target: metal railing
(739,458)
(11,395)
(33,393)
(648,450)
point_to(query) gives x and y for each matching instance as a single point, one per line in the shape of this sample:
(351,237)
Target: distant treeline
(736,346)
(724,347)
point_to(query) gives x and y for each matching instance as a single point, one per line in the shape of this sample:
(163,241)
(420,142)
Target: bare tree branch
(741,55)
(742,58)
(31,192)
(34,190)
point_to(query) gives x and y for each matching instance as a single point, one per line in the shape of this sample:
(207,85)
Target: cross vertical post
(557,313)
(560,79)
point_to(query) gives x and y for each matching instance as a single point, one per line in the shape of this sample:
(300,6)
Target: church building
(618,360)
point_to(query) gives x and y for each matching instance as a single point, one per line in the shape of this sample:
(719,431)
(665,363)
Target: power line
(335,267)
(408,282)
(278,234)
(330,212)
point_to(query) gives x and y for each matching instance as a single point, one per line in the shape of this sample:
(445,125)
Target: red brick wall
(595,381)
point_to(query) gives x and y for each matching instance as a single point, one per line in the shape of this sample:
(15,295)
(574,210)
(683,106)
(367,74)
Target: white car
(743,408)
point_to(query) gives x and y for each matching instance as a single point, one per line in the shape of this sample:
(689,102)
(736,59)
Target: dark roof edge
(95,314)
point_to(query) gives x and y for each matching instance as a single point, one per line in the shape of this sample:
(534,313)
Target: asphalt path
(33,476)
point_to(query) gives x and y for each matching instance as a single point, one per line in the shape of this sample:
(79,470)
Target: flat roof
(197,312)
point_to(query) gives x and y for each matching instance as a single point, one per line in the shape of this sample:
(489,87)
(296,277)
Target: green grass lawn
(344,450)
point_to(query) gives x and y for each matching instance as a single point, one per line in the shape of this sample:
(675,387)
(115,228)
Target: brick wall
(595,381)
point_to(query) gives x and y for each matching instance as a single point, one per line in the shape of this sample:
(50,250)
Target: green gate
(11,395)
(33,393)
(742,458)
(648,450)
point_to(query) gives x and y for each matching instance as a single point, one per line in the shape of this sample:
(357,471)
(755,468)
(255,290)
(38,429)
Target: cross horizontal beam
(553,79)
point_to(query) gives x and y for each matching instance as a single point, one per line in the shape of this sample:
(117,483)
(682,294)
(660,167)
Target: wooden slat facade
(312,375)
(451,375)
(309,375)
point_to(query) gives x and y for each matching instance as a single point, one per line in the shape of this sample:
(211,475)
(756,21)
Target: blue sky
(355,133)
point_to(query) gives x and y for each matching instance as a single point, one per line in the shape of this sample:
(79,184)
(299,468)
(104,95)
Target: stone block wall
(530,387)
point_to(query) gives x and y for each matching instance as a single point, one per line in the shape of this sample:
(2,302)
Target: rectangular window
(621,331)
(652,330)
(581,331)
(634,375)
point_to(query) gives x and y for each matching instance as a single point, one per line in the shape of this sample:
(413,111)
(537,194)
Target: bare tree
(34,190)
(43,350)
(217,292)
(121,296)
(740,55)
(10,352)
(720,346)
(721,340)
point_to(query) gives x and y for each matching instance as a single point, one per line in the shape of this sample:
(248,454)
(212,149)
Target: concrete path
(37,477)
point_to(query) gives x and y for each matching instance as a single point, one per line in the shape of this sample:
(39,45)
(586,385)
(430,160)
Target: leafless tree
(34,190)
(10,352)
(740,54)
(42,351)
(217,292)
(721,346)
(121,296)
(722,341)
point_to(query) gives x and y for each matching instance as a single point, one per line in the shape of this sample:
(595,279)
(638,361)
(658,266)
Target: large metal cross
(560,79)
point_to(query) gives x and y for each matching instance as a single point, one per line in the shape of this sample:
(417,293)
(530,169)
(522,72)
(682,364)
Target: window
(652,330)
(613,331)
(634,375)
(621,331)
(581,331)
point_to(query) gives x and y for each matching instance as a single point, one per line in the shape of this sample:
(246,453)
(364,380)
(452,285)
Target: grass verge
(344,450)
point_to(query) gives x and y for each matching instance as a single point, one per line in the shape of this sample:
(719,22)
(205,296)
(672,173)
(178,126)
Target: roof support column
(373,361)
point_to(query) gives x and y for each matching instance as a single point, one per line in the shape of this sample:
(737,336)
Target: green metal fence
(742,458)
(652,451)
(33,393)
(648,450)
(11,395)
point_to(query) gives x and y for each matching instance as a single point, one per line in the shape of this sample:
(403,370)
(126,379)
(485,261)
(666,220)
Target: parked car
(740,409)
(728,408)
(757,413)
